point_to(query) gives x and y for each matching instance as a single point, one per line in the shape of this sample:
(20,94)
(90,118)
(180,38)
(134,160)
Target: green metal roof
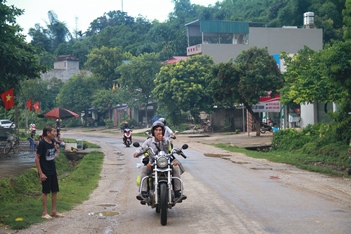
(224,27)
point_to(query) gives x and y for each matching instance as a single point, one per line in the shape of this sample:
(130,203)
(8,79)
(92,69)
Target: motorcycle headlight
(162,162)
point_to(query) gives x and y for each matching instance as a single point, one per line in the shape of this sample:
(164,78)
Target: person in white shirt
(32,128)
(168,132)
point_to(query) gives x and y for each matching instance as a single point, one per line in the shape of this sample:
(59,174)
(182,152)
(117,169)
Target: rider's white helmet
(162,120)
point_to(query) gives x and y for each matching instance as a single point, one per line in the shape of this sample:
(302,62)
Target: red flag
(36,107)
(29,104)
(8,98)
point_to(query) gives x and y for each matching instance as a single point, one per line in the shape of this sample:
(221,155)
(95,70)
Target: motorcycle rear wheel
(16,149)
(7,147)
(163,203)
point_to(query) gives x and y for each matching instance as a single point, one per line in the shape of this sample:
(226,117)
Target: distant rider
(32,128)
(124,127)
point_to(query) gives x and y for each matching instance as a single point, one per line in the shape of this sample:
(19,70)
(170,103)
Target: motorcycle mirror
(136,144)
(185,146)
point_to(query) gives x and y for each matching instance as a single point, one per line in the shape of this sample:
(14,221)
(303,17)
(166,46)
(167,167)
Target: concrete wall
(63,70)
(308,114)
(232,117)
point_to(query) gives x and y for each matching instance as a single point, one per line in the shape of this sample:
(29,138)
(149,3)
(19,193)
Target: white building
(65,66)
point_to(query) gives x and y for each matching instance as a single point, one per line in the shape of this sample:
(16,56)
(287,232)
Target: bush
(109,123)
(289,139)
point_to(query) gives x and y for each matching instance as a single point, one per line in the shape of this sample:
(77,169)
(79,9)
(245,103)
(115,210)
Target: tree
(58,31)
(253,74)
(306,81)
(103,99)
(347,20)
(18,59)
(182,86)
(40,38)
(77,93)
(137,77)
(43,91)
(103,63)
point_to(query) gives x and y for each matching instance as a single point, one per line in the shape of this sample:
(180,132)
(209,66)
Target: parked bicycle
(12,143)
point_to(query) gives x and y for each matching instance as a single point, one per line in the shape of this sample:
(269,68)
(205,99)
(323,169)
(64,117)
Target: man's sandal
(47,216)
(58,215)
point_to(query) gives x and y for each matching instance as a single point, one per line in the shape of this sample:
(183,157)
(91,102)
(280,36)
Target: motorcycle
(127,137)
(265,127)
(160,190)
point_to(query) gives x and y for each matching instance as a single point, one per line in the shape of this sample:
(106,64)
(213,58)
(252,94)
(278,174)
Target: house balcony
(195,49)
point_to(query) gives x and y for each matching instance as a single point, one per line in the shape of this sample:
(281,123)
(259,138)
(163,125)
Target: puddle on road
(14,164)
(236,162)
(217,155)
(104,213)
(261,168)
(107,205)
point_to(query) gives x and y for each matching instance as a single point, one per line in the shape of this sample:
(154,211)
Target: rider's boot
(142,196)
(179,197)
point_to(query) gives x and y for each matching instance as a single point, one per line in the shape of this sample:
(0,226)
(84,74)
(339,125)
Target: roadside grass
(20,196)
(317,163)
(140,135)
(112,132)
(89,130)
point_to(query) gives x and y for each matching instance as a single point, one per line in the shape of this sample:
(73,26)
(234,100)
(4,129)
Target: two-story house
(225,40)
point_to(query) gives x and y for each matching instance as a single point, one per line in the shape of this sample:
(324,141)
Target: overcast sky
(80,13)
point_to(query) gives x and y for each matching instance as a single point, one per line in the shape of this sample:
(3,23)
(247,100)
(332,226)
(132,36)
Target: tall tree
(77,93)
(103,99)
(58,30)
(103,63)
(18,59)
(347,20)
(43,91)
(306,81)
(182,86)
(253,74)
(137,77)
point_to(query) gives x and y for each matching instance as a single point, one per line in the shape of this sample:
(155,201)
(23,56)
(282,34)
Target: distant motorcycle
(160,190)
(127,137)
(265,128)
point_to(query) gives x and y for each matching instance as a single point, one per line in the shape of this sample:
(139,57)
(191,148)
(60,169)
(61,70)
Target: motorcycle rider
(168,131)
(158,142)
(124,127)
(32,128)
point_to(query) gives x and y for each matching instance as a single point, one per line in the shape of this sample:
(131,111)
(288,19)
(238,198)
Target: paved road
(227,194)
(14,164)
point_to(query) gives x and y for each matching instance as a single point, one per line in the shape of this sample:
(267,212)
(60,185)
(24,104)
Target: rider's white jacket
(156,146)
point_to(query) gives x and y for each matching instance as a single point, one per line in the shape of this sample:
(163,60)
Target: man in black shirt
(44,159)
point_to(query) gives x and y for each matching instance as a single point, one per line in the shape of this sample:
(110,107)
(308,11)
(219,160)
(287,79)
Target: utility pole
(122,5)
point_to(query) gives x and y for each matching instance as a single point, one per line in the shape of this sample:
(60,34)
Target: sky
(78,14)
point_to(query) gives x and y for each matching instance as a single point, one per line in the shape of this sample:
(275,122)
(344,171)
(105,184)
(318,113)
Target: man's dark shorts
(50,184)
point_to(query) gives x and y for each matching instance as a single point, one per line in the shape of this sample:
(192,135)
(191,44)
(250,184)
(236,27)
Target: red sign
(267,104)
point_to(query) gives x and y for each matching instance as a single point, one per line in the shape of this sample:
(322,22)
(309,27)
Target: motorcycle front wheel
(163,203)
